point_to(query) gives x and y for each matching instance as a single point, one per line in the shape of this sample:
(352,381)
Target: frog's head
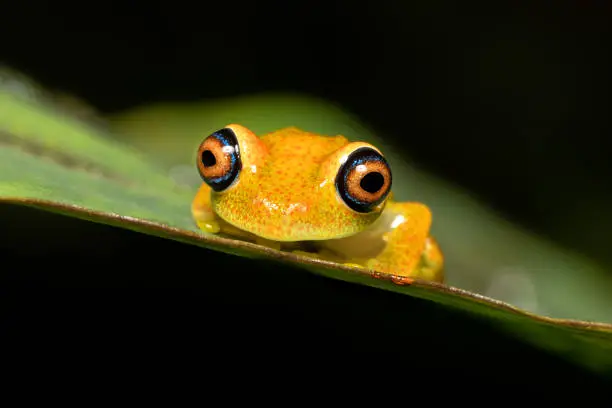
(293,185)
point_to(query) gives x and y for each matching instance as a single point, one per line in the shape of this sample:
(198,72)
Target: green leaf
(51,160)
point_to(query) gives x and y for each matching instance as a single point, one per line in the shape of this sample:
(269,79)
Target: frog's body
(283,190)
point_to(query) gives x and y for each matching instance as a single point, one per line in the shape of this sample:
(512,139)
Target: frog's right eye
(219,159)
(364,180)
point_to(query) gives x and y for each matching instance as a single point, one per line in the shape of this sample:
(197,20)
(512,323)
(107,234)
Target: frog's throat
(255,231)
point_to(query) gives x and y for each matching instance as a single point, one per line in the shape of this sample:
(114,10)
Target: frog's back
(290,174)
(283,192)
(294,148)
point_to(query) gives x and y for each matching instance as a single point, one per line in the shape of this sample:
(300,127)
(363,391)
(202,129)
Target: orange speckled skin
(286,192)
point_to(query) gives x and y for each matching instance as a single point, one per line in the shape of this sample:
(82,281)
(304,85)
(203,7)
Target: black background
(510,100)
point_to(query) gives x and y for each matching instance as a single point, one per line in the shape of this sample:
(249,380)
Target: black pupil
(208,158)
(372,182)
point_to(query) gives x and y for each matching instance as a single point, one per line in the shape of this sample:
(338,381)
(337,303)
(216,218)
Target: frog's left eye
(219,159)
(364,180)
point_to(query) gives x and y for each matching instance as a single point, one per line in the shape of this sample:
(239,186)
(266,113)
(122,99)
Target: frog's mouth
(361,245)
(272,222)
(268,232)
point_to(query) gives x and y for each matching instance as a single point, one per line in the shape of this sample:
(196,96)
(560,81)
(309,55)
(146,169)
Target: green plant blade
(484,252)
(50,160)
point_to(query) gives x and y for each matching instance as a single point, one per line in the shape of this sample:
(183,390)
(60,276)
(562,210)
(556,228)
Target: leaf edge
(222,244)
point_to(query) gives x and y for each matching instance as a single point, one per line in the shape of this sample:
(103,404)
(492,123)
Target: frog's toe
(352,265)
(322,254)
(209,226)
(432,262)
(305,253)
(268,243)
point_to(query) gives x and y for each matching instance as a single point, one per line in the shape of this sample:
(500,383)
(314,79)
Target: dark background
(510,100)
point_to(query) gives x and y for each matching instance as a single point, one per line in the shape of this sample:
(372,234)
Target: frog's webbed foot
(305,253)
(318,253)
(268,243)
(410,251)
(202,213)
(327,255)
(208,221)
(353,265)
(211,227)
(431,266)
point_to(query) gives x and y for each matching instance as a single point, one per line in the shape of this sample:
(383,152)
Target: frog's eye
(364,180)
(219,159)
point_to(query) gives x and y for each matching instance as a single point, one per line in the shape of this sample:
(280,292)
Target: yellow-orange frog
(318,195)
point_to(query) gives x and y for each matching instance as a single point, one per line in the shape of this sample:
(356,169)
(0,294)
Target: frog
(315,195)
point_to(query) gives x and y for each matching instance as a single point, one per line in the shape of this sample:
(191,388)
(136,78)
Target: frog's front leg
(409,250)
(432,262)
(202,211)
(208,221)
